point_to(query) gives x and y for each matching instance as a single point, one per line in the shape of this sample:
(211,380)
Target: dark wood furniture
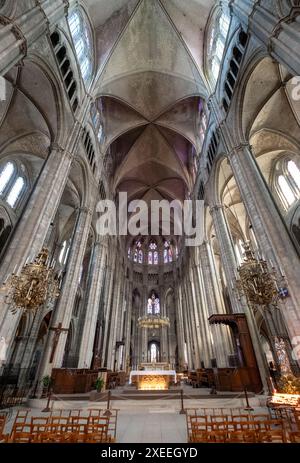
(246,375)
(73,380)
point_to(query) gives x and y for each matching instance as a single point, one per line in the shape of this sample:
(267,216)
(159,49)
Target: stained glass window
(153,353)
(286,190)
(83,44)
(168,252)
(294,172)
(153,305)
(15,192)
(140,256)
(216,43)
(63,255)
(287,181)
(152,253)
(6,175)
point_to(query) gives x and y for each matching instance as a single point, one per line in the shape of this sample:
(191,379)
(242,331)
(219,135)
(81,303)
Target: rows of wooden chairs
(291,416)
(221,412)
(238,428)
(63,426)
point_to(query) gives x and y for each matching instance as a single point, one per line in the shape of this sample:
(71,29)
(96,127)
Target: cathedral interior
(160,102)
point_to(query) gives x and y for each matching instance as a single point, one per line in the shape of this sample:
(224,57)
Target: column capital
(60,149)
(100,241)
(288,19)
(16,31)
(84,210)
(240,147)
(216,207)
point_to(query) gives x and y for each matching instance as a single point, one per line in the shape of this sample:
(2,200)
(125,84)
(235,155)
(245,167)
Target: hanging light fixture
(153,321)
(255,281)
(35,285)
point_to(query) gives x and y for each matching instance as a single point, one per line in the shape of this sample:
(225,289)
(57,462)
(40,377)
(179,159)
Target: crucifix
(58,330)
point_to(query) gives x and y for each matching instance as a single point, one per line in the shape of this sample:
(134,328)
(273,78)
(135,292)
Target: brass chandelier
(35,285)
(255,281)
(153,321)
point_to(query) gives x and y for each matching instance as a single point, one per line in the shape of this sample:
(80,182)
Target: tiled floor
(151,427)
(148,421)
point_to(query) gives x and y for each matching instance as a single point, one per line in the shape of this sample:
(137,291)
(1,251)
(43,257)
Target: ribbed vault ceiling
(150,90)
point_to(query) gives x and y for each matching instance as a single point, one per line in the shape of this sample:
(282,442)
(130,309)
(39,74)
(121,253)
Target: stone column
(93,302)
(238,305)
(214,304)
(28,237)
(117,306)
(189,329)
(197,326)
(201,308)
(227,253)
(127,334)
(270,229)
(17,35)
(108,306)
(279,35)
(180,327)
(63,311)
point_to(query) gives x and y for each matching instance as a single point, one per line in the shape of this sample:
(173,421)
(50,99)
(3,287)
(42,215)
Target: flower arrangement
(289,384)
(99,384)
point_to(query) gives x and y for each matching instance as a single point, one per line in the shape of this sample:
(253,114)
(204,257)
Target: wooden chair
(4,438)
(37,429)
(95,438)
(61,420)
(224,426)
(53,433)
(270,424)
(242,437)
(294,437)
(218,436)
(98,420)
(238,418)
(271,435)
(2,423)
(21,416)
(39,420)
(198,422)
(77,412)
(97,431)
(95,412)
(79,420)
(61,412)
(200,436)
(297,418)
(113,421)
(216,418)
(77,432)
(21,433)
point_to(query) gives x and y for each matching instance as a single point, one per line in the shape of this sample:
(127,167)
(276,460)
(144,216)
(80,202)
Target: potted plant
(99,384)
(46,382)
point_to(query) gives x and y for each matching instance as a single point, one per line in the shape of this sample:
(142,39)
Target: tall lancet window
(152,253)
(6,175)
(168,252)
(13,183)
(81,35)
(287,181)
(153,306)
(216,40)
(153,352)
(137,252)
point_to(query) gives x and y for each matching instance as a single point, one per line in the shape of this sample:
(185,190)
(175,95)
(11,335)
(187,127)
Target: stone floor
(150,421)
